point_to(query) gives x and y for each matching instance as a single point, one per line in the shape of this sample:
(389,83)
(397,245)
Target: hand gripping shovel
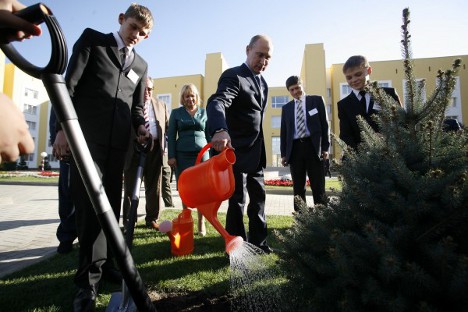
(51,76)
(121,301)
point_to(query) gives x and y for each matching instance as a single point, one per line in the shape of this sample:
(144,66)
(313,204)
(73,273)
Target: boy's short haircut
(293,80)
(141,13)
(355,61)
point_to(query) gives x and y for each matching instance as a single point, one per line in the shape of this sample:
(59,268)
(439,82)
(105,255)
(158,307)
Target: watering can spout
(206,185)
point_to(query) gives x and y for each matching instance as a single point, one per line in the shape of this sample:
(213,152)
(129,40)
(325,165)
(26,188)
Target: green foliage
(395,240)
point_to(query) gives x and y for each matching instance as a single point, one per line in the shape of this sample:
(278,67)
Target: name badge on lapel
(132,76)
(312,112)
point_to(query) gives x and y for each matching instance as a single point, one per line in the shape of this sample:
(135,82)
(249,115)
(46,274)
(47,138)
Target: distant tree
(396,239)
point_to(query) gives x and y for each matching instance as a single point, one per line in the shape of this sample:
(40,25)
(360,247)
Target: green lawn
(26,177)
(330,184)
(48,286)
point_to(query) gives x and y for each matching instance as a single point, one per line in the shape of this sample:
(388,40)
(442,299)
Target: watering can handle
(202,151)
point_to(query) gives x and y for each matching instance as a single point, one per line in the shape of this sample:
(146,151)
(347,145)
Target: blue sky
(186,30)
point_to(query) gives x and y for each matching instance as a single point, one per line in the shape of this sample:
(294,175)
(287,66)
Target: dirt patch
(194,302)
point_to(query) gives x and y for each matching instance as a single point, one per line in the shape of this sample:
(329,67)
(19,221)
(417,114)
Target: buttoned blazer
(348,110)
(187,133)
(317,124)
(238,106)
(108,100)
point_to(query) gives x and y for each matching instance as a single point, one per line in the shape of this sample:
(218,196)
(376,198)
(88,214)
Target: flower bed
(278,182)
(49,174)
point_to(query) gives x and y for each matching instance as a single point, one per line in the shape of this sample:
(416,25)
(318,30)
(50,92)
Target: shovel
(122,301)
(51,76)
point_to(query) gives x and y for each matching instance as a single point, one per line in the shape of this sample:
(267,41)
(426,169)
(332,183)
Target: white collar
(120,43)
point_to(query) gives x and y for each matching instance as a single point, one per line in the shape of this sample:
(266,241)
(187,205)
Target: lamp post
(43,155)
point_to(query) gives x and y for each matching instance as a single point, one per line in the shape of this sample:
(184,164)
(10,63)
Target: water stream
(252,281)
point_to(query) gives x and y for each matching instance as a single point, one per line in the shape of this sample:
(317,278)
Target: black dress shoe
(65,247)
(266,249)
(85,300)
(112,275)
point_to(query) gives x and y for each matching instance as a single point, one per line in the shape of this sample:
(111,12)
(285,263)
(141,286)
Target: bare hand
(24,29)
(172,162)
(220,141)
(61,149)
(284,162)
(15,138)
(144,136)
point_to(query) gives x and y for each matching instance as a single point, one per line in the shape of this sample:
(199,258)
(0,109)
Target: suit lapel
(113,47)
(254,84)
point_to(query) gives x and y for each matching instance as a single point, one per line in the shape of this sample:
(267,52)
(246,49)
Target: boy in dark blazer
(106,80)
(235,112)
(359,102)
(303,147)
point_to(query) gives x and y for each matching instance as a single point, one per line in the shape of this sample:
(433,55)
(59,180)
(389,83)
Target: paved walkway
(29,219)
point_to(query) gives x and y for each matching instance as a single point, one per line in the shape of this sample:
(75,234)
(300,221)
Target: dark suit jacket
(317,123)
(105,98)
(348,110)
(238,106)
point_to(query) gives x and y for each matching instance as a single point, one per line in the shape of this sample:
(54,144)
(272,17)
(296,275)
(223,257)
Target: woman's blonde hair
(189,88)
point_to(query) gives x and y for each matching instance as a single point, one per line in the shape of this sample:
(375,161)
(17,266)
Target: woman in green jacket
(187,135)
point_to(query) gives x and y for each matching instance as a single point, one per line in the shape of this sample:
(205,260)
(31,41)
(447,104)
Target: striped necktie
(300,120)
(146,115)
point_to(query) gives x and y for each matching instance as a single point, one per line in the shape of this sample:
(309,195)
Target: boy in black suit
(106,80)
(359,102)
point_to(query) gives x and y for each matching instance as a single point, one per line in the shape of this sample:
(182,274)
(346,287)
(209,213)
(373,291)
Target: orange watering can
(206,185)
(180,232)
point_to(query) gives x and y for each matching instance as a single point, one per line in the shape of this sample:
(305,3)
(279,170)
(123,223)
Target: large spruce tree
(396,238)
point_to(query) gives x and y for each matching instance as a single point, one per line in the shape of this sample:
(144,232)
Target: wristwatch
(221,130)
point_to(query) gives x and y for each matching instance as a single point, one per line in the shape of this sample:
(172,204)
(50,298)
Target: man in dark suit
(304,140)
(359,102)
(106,82)
(156,124)
(235,119)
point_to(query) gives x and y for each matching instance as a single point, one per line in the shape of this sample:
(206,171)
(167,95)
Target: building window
(30,93)
(31,125)
(385,83)
(279,101)
(30,109)
(345,89)
(275,151)
(275,122)
(166,98)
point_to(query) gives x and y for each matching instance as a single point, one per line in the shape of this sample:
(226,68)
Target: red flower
(281,182)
